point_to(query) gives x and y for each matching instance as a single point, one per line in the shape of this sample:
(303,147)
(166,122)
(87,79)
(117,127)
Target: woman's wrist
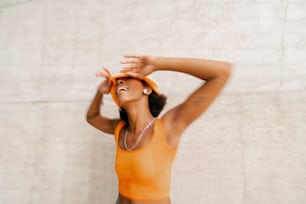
(156,62)
(165,63)
(99,92)
(99,95)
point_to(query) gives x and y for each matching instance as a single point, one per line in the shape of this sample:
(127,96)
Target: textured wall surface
(248,148)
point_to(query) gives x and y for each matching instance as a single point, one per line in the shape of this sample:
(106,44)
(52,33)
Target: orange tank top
(145,173)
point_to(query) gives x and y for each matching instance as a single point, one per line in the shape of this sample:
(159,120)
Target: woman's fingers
(104,73)
(131,74)
(132,56)
(131,65)
(129,61)
(107,72)
(131,68)
(105,86)
(132,59)
(135,65)
(99,74)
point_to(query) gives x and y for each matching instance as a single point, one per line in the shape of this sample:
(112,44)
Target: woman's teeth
(122,89)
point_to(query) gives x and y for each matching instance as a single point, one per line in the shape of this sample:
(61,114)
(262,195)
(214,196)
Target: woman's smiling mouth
(121,88)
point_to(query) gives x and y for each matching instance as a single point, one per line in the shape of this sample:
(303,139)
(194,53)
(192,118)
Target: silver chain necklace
(139,137)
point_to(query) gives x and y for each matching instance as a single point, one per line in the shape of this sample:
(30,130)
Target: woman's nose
(120,81)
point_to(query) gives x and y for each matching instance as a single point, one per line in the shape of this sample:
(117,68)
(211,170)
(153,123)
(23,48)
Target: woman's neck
(139,117)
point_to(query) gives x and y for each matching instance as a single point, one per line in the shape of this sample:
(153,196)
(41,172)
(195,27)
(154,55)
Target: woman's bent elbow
(227,69)
(89,118)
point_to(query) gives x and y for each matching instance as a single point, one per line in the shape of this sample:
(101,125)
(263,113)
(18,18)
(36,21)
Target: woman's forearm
(94,108)
(97,120)
(201,68)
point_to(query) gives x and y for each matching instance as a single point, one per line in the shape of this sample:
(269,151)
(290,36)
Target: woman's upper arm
(104,124)
(178,118)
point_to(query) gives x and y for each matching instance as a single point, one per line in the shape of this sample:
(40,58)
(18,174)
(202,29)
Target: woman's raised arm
(213,73)
(93,115)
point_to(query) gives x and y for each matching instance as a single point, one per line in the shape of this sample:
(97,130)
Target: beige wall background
(248,148)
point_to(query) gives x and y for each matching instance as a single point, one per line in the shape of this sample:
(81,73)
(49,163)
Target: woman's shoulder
(118,125)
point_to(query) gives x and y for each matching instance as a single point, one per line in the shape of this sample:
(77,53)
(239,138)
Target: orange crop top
(145,173)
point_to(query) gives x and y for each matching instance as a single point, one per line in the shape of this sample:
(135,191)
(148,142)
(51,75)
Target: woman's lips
(121,88)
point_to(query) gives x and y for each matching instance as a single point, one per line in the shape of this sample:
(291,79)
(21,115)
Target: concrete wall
(248,148)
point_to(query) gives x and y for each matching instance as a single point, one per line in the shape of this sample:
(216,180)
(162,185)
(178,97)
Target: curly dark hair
(156,105)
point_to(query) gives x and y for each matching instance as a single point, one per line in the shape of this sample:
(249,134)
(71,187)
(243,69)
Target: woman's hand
(137,66)
(105,86)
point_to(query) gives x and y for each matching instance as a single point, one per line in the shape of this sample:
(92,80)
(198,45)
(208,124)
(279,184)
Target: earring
(145,91)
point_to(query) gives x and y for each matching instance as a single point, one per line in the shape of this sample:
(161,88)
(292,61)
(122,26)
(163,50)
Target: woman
(146,145)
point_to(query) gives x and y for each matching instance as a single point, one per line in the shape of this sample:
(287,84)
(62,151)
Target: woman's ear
(147,90)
